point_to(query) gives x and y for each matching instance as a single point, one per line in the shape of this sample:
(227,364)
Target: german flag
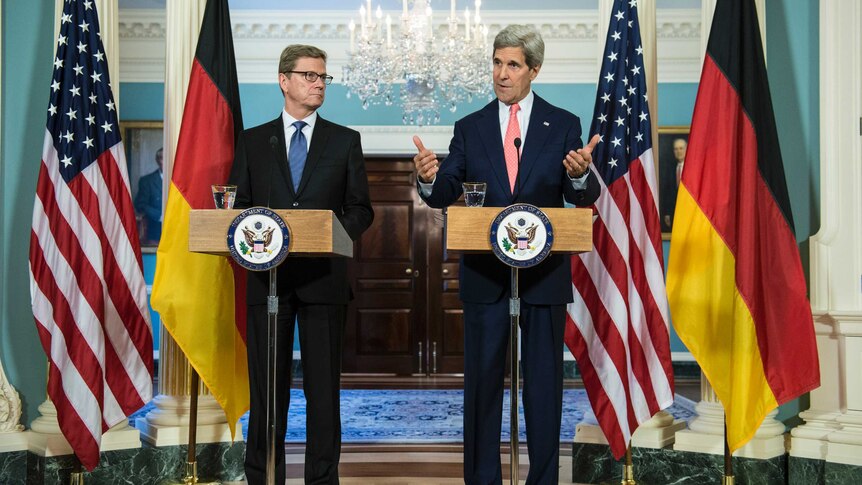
(735,283)
(201,298)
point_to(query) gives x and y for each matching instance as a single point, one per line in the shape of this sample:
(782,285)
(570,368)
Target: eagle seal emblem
(258,239)
(521,235)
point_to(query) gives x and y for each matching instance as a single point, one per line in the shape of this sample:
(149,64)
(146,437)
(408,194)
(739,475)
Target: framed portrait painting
(143,142)
(672,146)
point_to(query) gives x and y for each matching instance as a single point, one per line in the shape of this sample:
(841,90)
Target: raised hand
(425,161)
(578,162)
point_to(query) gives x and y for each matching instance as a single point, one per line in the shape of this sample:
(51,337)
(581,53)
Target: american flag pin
(547,124)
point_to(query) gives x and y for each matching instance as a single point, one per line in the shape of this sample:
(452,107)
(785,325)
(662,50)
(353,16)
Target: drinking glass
(224,196)
(474,193)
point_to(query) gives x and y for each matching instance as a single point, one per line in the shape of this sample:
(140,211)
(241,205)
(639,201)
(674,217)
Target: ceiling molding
(259,36)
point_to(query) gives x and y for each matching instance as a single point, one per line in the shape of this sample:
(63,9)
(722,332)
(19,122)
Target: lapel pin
(547,124)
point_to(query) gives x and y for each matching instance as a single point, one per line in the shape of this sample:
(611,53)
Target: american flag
(617,327)
(86,280)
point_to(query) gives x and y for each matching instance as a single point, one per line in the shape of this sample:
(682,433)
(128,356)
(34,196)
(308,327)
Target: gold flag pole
(190,477)
(727,479)
(628,469)
(77,475)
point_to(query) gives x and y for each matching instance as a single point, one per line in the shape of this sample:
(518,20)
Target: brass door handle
(420,357)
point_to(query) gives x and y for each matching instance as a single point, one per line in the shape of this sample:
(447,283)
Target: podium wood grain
(468,228)
(312,232)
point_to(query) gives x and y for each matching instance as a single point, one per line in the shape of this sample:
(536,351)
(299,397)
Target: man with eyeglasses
(301,161)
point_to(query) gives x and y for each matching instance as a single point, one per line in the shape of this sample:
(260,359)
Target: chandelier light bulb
(424,69)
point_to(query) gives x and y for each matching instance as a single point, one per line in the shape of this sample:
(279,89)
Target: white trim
(398,140)
(571,41)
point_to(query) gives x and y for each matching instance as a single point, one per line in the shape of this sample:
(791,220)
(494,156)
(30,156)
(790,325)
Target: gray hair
(293,52)
(525,37)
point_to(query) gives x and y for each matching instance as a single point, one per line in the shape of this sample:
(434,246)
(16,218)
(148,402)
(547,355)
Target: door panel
(406,317)
(446,316)
(387,318)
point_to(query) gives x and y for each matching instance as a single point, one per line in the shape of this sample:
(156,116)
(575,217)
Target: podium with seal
(259,239)
(521,236)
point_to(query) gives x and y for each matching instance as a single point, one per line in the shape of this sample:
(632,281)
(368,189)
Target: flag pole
(727,479)
(77,475)
(190,477)
(515,313)
(628,468)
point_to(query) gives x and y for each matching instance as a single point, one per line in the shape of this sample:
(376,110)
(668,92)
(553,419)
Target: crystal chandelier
(436,68)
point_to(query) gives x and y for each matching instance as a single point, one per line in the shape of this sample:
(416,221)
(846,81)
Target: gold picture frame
(141,141)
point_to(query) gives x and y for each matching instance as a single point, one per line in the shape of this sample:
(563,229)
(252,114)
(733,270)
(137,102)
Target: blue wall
(27,51)
(262,103)
(792,33)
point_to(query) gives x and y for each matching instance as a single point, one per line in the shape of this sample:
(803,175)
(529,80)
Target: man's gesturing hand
(578,162)
(425,161)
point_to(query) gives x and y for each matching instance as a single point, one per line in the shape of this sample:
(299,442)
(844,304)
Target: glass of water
(474,193)
(224,196)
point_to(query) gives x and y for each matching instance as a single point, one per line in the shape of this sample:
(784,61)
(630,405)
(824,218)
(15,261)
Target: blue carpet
(429,416)
(423,416)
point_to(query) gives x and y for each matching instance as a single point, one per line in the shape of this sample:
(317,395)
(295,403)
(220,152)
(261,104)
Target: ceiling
(396,4)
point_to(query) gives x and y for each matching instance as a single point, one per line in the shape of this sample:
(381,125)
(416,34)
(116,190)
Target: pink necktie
(509,151)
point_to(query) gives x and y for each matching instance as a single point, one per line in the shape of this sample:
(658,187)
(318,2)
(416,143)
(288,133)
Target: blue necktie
(297,154)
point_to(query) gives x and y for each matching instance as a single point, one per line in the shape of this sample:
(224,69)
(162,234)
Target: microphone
(517,143)
(273,143)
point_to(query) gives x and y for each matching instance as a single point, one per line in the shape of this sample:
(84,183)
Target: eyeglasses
(312,76)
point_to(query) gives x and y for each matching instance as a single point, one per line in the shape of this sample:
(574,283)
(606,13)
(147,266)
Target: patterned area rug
(429,416)
(423,416)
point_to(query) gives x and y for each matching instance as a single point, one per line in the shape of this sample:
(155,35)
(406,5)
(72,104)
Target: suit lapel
(538,131)
(281,153)
(489,129)
(319,139)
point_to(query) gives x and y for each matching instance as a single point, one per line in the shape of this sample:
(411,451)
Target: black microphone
(273,142)
(517,142)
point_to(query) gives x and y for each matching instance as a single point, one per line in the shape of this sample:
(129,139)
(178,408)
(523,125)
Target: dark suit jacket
(476,155)
(334,178)
(149,203)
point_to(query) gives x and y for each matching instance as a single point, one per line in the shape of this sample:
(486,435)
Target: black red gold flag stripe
(735,283)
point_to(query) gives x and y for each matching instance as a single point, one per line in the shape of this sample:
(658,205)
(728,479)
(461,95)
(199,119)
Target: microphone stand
(514,382)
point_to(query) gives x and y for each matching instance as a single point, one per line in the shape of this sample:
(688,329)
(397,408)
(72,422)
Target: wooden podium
(468,230)
(312,233)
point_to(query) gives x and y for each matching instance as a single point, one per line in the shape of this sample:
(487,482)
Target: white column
(833,424)
(109,21)
(183,24)
(706,432)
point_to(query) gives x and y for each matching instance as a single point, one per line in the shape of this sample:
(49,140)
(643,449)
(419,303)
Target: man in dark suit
(301,161)
(553,168)
(148,202)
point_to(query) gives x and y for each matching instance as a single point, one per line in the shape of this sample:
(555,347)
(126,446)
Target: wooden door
(406,317)
(446,315)
(387,319)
